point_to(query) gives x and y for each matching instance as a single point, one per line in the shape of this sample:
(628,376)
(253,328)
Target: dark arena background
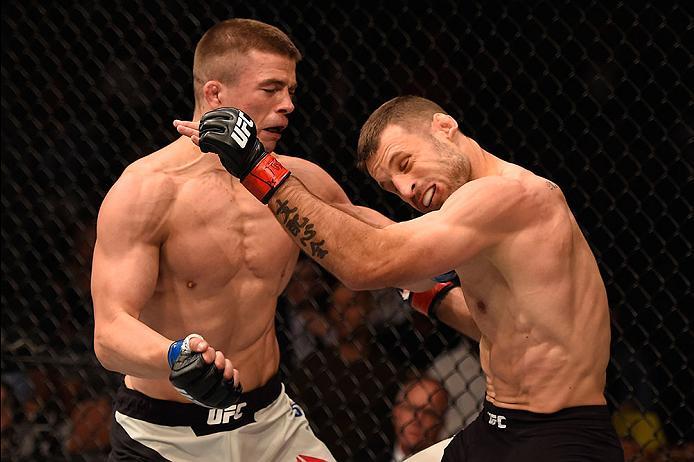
(596,96)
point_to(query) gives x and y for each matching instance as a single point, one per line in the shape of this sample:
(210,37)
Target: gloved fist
(428,301)
(202,383)
(232,134)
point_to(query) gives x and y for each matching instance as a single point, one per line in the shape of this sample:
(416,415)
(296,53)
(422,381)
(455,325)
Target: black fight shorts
(576,434)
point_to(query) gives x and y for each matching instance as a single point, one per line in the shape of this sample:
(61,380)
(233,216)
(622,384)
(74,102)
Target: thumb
(197,343)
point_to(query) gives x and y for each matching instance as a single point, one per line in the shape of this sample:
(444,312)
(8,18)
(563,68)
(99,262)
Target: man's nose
(404,186)
(286,105)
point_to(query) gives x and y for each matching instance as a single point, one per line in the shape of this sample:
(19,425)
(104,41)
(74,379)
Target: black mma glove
(231,133)
(198,381)
(427,302)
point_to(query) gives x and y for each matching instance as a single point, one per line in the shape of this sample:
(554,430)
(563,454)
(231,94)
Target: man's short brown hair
(411,112)
(218,53)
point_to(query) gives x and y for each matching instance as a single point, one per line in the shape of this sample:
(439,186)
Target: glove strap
(428,301)
(265,178)
(181,346)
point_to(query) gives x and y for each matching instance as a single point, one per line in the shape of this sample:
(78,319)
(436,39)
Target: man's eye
(404,164)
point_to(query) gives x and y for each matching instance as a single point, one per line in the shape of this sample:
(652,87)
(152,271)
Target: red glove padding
(265,178)
(428,301)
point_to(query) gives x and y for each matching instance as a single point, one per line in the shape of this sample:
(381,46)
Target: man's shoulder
(526,179)
(520,185)
(142,177)
(140,187)
(149,164)
(489,199)
(137,206)
(151,174)
(489,190)
(315,178)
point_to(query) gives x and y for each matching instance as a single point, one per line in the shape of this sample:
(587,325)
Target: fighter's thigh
(455,451)
(125,448)
(286,435)
(134,439)
(300,439)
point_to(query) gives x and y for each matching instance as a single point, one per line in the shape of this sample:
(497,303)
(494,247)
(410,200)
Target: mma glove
(232,134)
(198,381)
(428,302)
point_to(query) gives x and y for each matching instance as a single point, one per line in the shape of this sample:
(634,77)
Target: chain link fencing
(596,96)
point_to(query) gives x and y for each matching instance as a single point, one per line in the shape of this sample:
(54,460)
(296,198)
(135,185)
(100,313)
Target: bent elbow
(101,350)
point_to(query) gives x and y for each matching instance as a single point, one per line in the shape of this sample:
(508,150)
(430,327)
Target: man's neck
(182,153)
(482,163)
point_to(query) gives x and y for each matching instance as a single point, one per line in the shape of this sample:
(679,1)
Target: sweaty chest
(218,231)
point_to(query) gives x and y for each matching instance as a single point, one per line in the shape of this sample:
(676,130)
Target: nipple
(191,284)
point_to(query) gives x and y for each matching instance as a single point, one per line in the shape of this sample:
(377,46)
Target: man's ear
(443,123)
(211,91)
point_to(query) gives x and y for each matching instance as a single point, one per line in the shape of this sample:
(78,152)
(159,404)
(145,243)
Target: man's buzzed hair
(217,55)
(411,112)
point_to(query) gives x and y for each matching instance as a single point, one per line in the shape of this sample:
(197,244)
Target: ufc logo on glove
(241,133)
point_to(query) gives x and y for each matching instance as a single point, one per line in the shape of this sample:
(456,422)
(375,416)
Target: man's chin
(269,145)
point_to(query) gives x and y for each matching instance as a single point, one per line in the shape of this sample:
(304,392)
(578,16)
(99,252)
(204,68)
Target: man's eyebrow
(278,82)
(396,155)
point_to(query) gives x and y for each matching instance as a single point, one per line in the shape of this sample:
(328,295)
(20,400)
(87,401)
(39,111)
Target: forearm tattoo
(297,225)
